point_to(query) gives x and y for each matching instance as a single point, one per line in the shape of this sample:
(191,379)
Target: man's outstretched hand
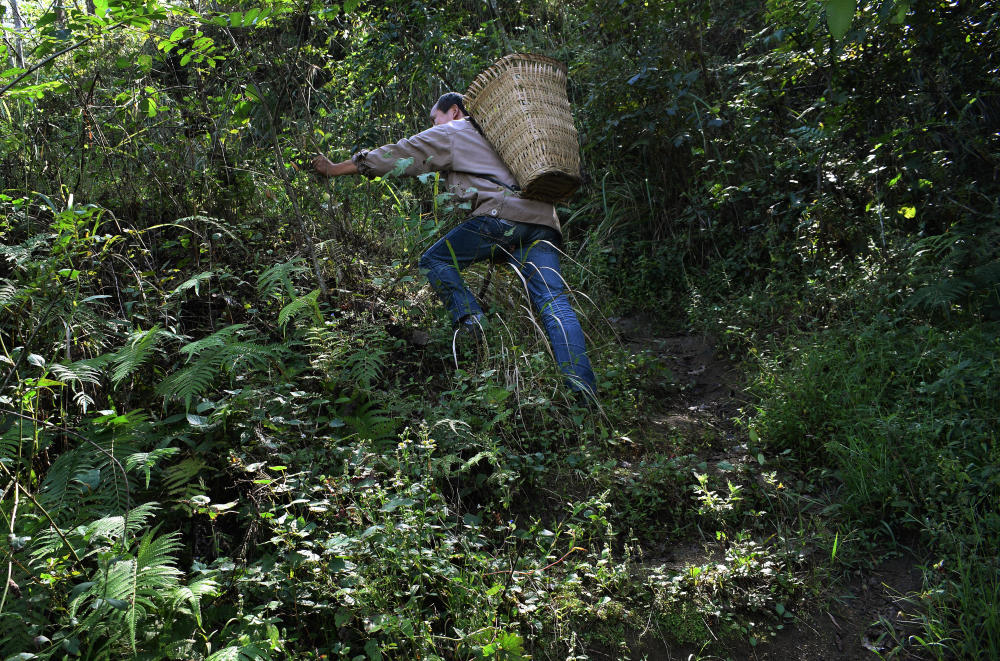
(328,168)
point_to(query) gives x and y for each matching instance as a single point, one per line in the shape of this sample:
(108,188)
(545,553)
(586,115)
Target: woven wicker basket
(520,102)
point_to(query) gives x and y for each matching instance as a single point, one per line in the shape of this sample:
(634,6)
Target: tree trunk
(18,55)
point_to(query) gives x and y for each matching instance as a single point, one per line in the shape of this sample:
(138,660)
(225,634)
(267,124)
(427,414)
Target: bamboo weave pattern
(521,104)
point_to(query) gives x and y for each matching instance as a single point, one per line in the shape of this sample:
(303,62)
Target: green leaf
(901,10)
(46,20)
(90,478)
(839,16)
(119,604)
(371,648)
(80,589)
(395,503)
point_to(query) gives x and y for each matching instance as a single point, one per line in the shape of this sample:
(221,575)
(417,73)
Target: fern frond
(365,365)
(251,354)
(191,595)
(78,373)
(147,460)
(189,382)
(276,282)
(178,479)
(8,292)
(82,371)
(371,423)
(219,338)
(219,352)
(940,294)
(134,354)
(20,432)
(112,529)
(298,306)
(23,253)
(58,487)
(192,283)
(130,586)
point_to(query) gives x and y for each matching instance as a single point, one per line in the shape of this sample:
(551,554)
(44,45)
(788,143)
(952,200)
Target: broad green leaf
(901,10)
(90,478)
(839,16)
(46,19)
(395,503)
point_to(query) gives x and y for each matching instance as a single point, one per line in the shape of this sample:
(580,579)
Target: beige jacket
(460,151)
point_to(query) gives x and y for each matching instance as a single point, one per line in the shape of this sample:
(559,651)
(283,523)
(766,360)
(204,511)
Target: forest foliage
(220,438)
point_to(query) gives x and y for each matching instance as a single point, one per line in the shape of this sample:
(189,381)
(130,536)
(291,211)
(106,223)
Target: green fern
(218,353)
(219,338)
(371,423)
(82,371)
(147,460)
(135,353)
(97,536)
(365,364)
(940,295)
(21,254)
(9,292)
(187,598)
(178,479)
(192,283)
(191,381)
(77,374)
(127,587)
(276,282)
(306,303)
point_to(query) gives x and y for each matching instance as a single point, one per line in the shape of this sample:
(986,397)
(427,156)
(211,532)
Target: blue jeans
(531,249)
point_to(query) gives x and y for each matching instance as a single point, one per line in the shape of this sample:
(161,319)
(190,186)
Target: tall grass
(906,415)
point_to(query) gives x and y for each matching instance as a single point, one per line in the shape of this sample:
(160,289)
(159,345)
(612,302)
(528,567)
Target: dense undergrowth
(235,424)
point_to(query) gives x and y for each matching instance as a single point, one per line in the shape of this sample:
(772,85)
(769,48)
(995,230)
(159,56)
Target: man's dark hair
(449,99)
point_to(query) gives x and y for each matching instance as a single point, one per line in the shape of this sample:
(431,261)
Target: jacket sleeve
(428,151)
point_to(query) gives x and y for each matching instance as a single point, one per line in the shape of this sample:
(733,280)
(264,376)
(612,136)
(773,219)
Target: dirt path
(853,618)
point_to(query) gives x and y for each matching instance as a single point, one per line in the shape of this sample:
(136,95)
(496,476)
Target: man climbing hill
(502,225)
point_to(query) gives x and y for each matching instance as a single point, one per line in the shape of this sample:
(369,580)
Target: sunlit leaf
(839,16)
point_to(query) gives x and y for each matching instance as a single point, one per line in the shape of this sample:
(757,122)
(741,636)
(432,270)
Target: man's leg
(538,262)
(474,240)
